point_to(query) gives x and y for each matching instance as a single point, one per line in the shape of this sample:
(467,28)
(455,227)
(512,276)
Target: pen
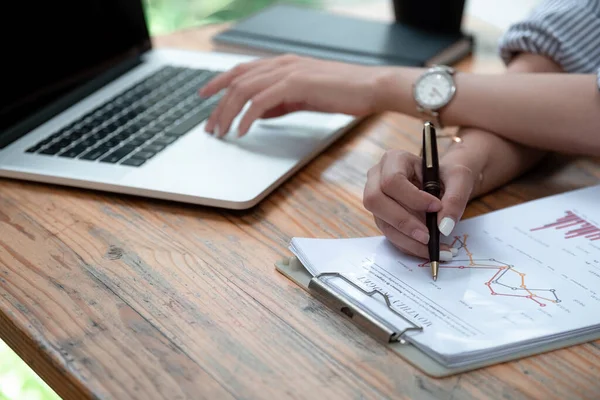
(431,185)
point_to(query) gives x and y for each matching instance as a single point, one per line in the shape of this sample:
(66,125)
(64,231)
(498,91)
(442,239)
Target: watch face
(434,90)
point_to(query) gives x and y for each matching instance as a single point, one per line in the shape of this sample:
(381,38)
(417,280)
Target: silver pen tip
(434,269)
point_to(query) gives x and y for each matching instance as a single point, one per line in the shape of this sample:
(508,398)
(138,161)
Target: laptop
(87,102)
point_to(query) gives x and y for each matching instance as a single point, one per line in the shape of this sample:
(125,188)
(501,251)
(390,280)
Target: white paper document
(523,276)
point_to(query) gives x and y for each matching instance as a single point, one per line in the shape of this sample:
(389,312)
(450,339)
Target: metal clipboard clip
(379,329)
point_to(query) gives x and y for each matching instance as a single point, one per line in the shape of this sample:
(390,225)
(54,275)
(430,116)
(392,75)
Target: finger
(408,245)
(397,239)
(230,100)
(458,185)
(275,112)
(396,172)
(239,86)
(223,80)
(284,109)
(268,99)
(238,95)
(443,246)
(390,211)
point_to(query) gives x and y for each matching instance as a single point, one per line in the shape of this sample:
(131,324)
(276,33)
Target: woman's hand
(393,194)
(284,84)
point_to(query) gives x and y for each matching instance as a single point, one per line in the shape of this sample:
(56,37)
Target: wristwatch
(433,91)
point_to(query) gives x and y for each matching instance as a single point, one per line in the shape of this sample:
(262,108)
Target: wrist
(393,89)
(463,155)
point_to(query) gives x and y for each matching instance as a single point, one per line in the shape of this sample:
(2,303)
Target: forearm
(493,159)
(550,111)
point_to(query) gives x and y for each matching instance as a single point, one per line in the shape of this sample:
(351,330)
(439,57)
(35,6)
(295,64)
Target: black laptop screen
(50,47)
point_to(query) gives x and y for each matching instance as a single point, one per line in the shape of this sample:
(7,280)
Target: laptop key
(133,162)
(50,139)
(149,134)
(145,155)
(75,136)
(162,125)
(137,141)
(153,130)
(51,150)
(74,151)
(35,148)
(112,142)
(118,154)
(155,148)
(165,140)
(169,119)
(96,153)
(191,121)
(63,143)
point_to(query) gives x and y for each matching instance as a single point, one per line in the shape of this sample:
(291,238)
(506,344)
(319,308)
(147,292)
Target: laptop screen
(52,47)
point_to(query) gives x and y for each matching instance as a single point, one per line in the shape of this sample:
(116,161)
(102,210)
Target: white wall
(500,13)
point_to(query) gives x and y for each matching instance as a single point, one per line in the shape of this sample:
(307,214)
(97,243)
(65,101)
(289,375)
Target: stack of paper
(524,276)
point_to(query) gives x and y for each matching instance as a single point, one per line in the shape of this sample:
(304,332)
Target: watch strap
(433,115)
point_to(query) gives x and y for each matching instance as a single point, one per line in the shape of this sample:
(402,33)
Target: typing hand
(281,85)
(393,194)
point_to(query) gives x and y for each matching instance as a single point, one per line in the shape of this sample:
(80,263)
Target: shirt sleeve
(567,31)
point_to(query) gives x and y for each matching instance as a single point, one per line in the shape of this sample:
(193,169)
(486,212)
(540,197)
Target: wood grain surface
(117,297)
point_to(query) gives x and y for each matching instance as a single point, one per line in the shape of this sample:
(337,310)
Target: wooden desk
(110,296)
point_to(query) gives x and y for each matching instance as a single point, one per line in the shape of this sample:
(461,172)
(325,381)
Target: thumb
(458,185)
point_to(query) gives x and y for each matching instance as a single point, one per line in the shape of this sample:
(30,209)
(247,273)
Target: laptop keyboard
(134,126)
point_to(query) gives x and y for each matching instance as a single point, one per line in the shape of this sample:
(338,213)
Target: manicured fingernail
(421,236)
(454,251)
(445,255)
(446,226)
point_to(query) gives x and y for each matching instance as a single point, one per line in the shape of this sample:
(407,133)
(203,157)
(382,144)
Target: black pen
(431,185)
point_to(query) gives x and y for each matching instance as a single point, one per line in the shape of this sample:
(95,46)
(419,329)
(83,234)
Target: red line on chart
(502,283)
(579,227)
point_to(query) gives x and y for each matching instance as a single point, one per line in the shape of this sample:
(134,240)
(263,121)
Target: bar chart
(573,226)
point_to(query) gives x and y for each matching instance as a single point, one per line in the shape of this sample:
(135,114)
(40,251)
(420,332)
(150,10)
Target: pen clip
(428,130)
(454,138)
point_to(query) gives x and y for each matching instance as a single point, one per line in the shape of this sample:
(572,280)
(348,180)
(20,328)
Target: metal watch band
(434,115)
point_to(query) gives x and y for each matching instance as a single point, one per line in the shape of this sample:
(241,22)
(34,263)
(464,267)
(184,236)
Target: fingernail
(217,131)
(454,251)
(446,226)
(434,207)
(421,236)
(445,255)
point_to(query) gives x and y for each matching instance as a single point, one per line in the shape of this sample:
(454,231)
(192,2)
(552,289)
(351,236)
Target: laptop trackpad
(280,139)
(232,168)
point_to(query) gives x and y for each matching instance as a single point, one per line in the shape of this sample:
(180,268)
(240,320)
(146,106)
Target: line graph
(505,281)
(579,227)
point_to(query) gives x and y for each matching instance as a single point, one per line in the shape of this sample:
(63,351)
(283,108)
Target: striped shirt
(567,31)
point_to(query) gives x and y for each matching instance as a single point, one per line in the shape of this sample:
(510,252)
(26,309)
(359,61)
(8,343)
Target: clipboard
(392,337)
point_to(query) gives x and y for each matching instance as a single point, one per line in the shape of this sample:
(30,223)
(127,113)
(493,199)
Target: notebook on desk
(526,280)
(310,32)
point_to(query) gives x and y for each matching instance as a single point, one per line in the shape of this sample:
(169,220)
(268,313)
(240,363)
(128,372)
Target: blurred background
(17,380)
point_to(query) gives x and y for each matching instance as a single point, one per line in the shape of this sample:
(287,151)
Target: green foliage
(169,15)
(18,381)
